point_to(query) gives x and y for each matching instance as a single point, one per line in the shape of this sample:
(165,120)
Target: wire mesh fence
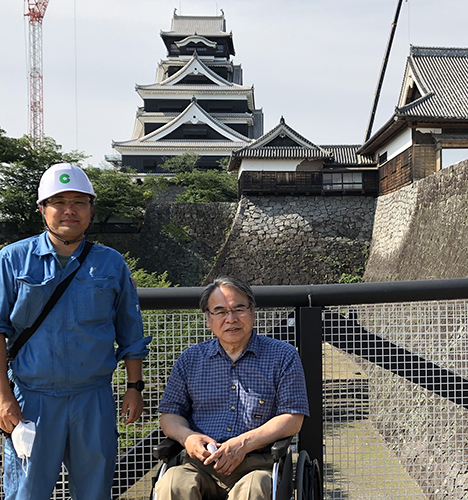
(395,393)
(395,401)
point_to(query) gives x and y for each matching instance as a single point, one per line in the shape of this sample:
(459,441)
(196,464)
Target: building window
(342,181)
(383,158)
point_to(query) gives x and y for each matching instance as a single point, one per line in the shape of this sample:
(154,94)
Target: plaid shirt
(223,399)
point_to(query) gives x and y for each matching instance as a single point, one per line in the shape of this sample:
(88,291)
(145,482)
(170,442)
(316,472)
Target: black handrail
(317,295)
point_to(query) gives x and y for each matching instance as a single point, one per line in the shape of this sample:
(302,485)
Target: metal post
(310,349)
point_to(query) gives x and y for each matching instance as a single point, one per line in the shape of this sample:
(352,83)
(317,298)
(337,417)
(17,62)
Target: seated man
(240,391)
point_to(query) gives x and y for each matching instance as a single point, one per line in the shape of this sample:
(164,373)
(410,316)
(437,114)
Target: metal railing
(387,373)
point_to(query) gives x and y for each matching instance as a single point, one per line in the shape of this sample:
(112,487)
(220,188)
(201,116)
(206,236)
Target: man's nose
(231,316)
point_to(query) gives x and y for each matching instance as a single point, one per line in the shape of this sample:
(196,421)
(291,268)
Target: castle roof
(440,75)
(206,26)
(434,90)
(201,25)
(195,66)
(280,142)
(194,114)
(347,154)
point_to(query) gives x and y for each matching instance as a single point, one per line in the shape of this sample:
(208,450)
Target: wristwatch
(139,386)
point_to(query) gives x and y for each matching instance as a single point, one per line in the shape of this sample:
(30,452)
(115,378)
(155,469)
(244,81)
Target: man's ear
(207,320)
(40,208)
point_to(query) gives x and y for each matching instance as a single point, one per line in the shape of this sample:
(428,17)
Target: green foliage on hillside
(117,195)
(182,163)
(201,186)
(22,163)
(207,187)
(143,278)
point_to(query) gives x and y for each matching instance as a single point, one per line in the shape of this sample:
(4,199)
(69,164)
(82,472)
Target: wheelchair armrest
(167,449)
(280,448)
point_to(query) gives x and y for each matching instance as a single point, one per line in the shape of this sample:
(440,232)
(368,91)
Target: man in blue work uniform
(239,392)
(63,373)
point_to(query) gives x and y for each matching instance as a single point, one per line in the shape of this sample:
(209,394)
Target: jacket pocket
(32,297)
(95,298)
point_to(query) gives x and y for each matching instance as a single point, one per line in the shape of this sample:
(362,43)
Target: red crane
(35,11)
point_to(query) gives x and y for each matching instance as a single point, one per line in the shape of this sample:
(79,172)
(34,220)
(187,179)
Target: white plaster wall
(258,165)
(397,145)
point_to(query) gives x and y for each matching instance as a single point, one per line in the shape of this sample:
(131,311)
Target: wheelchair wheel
(308,478)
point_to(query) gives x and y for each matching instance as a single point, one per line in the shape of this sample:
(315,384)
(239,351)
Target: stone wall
(421,231)
(181,238)
(282,240)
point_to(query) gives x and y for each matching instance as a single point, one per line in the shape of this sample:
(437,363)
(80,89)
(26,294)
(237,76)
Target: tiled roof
(201,25)
(177,145)
(347,155)
(233,89)
(263,147)
(196,65)
(195,111)
(441,74)
(278,152)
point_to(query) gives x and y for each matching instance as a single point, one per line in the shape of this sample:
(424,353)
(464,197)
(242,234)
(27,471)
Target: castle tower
(198,103)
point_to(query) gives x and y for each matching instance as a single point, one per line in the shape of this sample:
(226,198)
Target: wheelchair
(307,480)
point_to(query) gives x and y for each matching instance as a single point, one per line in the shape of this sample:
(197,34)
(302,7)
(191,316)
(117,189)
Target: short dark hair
(228,281)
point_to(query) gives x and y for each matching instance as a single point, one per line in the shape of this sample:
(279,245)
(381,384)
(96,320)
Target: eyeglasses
(80,202)
(238,311)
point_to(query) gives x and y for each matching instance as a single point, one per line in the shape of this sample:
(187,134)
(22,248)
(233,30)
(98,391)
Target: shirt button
(233,386)
(233,365)
(228,429)
(261,401)
(233,408)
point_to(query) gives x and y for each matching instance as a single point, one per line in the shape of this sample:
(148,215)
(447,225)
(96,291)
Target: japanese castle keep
(198,103)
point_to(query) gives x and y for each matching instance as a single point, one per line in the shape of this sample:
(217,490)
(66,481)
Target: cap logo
(64,178)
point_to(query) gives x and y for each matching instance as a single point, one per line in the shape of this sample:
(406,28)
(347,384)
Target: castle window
(342,181)
(383,158)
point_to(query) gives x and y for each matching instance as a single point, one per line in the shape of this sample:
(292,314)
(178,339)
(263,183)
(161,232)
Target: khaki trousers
(194,481)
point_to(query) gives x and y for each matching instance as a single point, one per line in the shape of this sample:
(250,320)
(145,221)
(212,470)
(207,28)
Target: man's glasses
(238,311)
(79,202)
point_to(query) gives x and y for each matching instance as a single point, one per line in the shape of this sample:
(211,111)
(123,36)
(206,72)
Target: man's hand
(132,406)
(10,412)
(195,444)
(228,456)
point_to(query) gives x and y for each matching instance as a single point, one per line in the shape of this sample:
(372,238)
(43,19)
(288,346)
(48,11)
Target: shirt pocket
(258,408)
(33,294)
(95,298)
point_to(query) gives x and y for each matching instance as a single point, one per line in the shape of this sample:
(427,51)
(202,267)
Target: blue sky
(315,62)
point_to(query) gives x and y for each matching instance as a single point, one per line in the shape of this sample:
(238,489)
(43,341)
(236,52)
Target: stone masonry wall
(421,231)
(297,240)
(181,238)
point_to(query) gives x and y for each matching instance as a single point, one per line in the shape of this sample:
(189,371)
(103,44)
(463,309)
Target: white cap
(63,177)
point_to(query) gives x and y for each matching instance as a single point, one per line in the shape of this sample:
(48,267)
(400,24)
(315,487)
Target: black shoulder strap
(27,333)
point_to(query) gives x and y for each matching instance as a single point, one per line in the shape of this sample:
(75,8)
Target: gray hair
(230,282)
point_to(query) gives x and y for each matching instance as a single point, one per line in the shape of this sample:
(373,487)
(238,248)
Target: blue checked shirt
(223,399)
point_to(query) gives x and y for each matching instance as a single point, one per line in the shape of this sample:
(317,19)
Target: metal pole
(317,295)
(382,72)
(310,341)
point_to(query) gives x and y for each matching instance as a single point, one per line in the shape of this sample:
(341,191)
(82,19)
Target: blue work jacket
(94,324)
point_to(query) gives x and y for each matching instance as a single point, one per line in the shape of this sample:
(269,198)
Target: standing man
(240,391)
(62,375)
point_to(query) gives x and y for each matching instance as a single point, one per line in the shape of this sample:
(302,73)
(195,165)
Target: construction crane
(35,10)
(382,71)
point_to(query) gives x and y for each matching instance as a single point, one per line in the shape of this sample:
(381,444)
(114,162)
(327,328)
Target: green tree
(206,187)
(117,195)
(143,278)
(22,163)
(181,163)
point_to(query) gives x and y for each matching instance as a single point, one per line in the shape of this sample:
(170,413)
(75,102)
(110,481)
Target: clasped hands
(225,459)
